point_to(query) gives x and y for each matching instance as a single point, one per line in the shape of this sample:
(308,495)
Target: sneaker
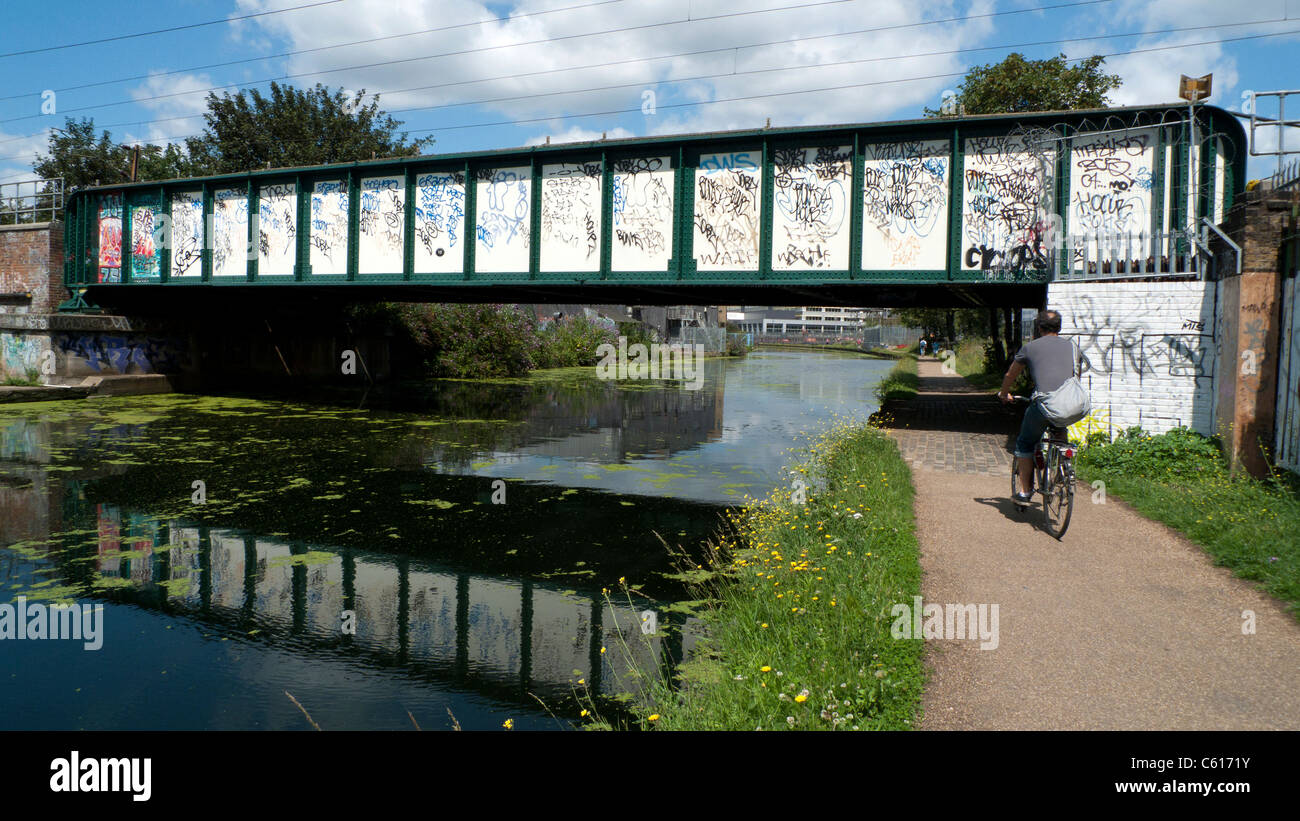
(1023,498)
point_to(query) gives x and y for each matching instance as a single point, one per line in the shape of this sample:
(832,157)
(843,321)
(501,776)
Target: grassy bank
(902,382)
(798,627)
(1179,478)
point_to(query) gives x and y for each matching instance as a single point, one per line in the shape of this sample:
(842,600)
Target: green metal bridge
(945,211)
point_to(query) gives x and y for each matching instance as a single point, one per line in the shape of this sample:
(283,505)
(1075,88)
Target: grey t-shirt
(1050,360)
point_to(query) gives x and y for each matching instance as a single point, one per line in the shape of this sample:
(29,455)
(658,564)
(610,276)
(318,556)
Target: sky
(477,75)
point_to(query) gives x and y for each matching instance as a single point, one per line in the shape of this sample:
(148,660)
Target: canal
(385,558)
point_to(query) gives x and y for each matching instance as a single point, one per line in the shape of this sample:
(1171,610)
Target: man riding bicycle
(1050,360)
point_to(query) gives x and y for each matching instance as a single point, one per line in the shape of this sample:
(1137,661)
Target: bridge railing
(1123,256)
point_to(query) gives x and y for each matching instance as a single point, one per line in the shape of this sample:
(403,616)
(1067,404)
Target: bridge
(945,212)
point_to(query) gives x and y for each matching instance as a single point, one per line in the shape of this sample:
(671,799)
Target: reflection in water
(315,511)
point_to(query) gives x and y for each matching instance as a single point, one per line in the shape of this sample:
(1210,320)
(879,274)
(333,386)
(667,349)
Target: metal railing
(31,201)
(1122,256)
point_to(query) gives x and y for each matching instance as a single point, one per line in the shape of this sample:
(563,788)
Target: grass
(971,365)
(800,599)
(1180,478)
(31,380)
(901,383)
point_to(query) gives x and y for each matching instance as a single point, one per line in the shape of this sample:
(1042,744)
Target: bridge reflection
(503,637)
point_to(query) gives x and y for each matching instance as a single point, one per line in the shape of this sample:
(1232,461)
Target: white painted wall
(1150,350)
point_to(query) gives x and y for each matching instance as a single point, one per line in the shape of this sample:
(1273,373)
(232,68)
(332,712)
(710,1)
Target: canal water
(384,560)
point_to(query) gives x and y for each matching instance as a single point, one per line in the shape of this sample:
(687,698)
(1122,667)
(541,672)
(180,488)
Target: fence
(865,338)
(1118,256)
(31,201)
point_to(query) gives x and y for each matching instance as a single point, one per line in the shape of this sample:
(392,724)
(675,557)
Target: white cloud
(177,102)
(578,134)
(492,63)
(18,152)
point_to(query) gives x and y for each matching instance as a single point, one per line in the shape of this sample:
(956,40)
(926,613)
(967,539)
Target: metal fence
(1119,256)
(31,201)
(865,338)
(714,340)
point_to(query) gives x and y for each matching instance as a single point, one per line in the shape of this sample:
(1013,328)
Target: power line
(795,68)
(742,98)
(167,30)
(508,18)
(855,32)
(481,49)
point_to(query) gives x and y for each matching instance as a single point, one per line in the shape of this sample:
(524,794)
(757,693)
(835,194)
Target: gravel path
(1124,624)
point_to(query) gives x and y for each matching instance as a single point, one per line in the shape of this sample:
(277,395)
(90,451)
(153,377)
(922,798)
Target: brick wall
(31,262)
(1149,350)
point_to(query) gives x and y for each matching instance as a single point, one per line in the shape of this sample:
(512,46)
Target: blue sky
(502,74)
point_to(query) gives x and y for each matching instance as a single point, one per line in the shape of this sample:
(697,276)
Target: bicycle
(1054,477)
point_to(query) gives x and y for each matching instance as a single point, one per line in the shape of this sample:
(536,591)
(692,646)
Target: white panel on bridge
(274,590)
(432,616)
(324,605)
(329,227)
(382,225)
(185,568)
(1004,216)
(905,205)
(727,211)
(643,214)
(376,604)
(277,222)
(187,233)
(440,223)
(503,197)
(1111,178)
(495,626)
(571,217)
(811,198)
(227,568)
(229,232)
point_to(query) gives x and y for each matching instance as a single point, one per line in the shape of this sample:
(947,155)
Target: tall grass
(798,627)
(902,381)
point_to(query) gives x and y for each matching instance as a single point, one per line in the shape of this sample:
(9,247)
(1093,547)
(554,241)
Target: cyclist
(1050,360)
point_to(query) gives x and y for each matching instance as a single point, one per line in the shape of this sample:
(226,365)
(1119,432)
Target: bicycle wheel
(1058,498)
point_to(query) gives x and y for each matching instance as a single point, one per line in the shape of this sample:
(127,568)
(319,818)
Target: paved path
(1123,624)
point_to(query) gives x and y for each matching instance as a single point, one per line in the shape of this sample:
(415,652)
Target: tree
(83,160)
(1016,85)
(292,127)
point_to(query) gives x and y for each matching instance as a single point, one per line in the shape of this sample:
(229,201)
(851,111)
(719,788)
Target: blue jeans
(1031,430)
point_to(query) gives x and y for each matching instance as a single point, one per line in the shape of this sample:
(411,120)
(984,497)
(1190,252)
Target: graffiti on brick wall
(1127,338)
(128,353)
(19,354)
(1148,356)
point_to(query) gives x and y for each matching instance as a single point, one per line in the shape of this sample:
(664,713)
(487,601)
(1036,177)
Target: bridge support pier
(1249,315)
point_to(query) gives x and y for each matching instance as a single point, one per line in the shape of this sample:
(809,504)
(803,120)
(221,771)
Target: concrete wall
(31,268)
(1149,350)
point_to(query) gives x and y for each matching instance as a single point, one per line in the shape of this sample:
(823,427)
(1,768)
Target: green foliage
(572,341)
(801,604)
(1017,85)
(465,341)
(31,380)
(901,383)
(293,127)
(83,160)
(1179,453)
